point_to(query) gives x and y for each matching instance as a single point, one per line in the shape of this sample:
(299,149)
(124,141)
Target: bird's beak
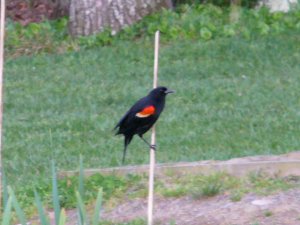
(168,91)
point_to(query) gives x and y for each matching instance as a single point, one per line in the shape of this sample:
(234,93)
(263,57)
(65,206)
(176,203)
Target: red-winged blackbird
(141,116)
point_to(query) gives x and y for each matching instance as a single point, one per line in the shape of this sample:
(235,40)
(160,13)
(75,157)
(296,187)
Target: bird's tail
(115,130)
(127,140)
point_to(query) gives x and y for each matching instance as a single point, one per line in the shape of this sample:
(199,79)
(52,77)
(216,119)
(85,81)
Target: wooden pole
(2,29)
(153,141)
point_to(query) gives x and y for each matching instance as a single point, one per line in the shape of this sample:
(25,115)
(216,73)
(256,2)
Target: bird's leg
(127,140)
(151,146)
(124,154)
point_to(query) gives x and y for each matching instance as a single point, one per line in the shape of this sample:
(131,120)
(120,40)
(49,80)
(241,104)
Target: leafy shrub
(222,3)
(198,21)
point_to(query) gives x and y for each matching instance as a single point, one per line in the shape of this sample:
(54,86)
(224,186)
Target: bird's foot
(153,147)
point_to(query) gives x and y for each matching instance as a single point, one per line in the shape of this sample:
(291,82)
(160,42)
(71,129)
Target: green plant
(263,183)
(55,195)
(187,22)
(211,189)
(227,3)
(60,215)
(207,186)
(236,196)
(268,213)
(174,192)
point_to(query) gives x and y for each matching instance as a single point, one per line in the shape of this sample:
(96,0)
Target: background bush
(222,3)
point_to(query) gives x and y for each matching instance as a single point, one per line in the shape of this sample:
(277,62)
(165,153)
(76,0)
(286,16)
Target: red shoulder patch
(147,111)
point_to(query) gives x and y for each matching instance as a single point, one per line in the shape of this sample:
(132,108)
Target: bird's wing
(122,120)
(139,110)
(146,111)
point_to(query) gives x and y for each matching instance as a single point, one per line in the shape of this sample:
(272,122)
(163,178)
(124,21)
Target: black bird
(141,116)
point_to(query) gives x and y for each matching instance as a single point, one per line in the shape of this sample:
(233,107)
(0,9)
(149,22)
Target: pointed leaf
(43,218)
(81,177)
(7,212)
(96,217)
(55,196)
(17,207)
(5,191)
(62,218)
(81,209)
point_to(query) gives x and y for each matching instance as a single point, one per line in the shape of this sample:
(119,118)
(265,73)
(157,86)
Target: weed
(207,186)
(268,213)
(264,184)
(174,192)
(236,196)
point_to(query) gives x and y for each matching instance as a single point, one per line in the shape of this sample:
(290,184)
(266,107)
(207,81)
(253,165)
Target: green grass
(235,97)
(203,186)
(118,190)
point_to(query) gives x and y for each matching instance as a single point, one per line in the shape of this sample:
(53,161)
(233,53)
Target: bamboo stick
(2,30)
(153,141)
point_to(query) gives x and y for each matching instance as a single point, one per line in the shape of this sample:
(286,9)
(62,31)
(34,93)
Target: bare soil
(282,208)
(277,209)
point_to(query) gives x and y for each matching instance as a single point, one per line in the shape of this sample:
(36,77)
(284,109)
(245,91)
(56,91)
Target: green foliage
(66,191)
(16,205)
(221,3)
(7,212)
(60,216)
(4,189)
(200,186)
(263,183)
(174,192)
(82,214)
(188,22)
(236,196)
(268,213)
(227,3)
(81,177)
(48,36)
(207,186)
(41,211)
(55,195)
(98,204)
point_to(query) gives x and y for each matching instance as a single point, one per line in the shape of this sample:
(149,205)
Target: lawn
(234,97)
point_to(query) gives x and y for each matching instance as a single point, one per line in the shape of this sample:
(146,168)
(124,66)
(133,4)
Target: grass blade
(81,210)
(55,196)
(16,205)
(7,212)
(43,218)
(96,217)
(5,191)
(81,177)
(79,217)
(62,218)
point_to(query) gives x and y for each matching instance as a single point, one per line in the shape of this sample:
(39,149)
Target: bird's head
(161,92)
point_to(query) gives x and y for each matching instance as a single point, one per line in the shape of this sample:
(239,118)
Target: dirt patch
(276,209)
(279,207)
